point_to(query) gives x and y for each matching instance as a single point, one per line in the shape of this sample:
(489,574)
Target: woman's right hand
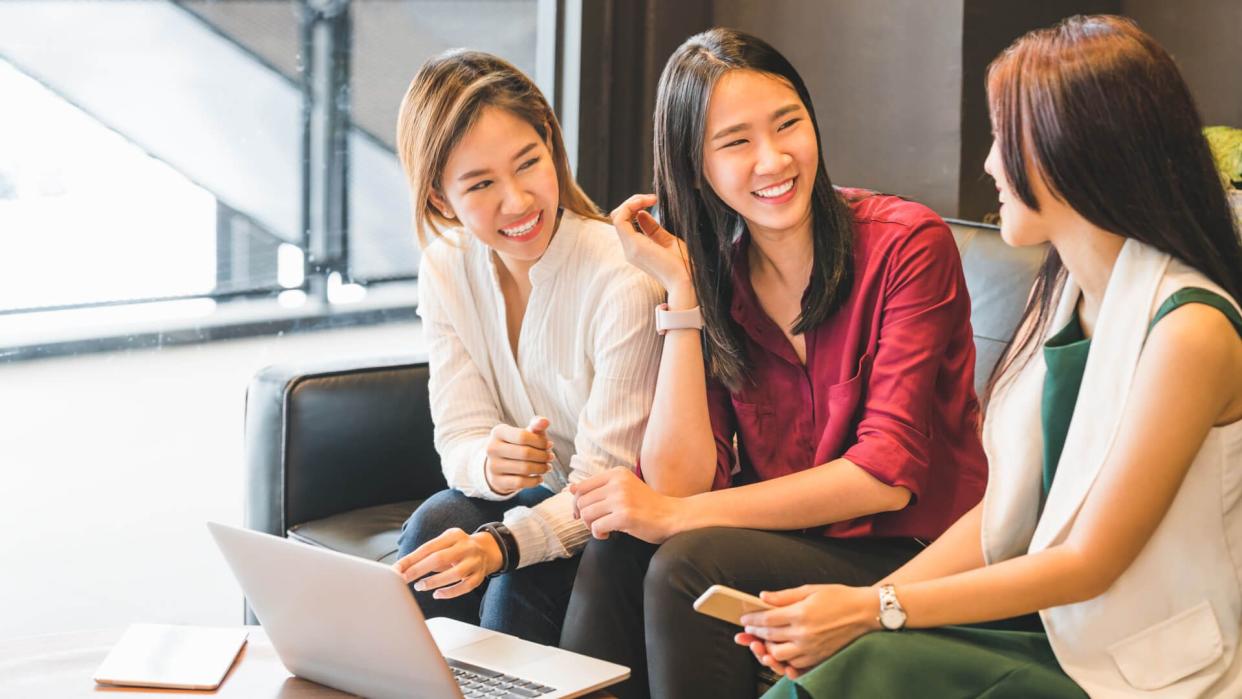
(653,249)
(517,458)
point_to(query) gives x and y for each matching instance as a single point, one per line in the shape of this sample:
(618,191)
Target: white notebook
(174,657)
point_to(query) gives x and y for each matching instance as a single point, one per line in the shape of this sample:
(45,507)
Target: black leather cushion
(333,438)
(370,532)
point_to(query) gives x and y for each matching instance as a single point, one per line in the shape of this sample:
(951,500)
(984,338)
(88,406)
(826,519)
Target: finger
(591,498)
(515,435)
(457,573)
(434,563)
(538,423)
(803,662)
(781,616)
(784,652)
(460,588)
(439,543)
(772,633)
(605,525)
(585,486)
(625,212)
(648,224)
(592,513)
(519,452)
(777,666)
(781,598)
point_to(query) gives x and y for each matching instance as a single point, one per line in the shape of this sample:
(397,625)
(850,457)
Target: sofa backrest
(999,278)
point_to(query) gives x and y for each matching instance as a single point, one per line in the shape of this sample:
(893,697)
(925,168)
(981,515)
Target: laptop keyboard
(478,681)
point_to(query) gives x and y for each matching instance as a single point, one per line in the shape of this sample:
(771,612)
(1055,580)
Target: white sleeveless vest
(1169,626)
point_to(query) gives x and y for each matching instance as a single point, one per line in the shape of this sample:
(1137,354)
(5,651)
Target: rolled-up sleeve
(924,306)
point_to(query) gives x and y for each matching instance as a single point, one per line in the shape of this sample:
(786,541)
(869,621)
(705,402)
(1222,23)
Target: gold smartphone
(728,604)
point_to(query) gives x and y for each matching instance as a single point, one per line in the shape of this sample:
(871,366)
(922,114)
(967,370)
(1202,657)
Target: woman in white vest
(1113,428)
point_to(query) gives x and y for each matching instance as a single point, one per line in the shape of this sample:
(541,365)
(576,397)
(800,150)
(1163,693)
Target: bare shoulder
(1197,347)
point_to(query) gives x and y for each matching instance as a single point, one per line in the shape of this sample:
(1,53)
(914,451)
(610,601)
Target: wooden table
(61,665)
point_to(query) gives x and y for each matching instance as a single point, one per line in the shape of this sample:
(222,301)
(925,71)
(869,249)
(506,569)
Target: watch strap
(890,603)
(689,319)
(507,543)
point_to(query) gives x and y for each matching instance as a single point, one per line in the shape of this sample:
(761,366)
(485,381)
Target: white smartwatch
(689,319)
(892,616)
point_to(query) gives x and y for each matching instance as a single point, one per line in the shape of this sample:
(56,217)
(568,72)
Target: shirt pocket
(845,399)
(1170,650)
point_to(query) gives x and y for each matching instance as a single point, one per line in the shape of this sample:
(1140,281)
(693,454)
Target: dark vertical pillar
(326,32)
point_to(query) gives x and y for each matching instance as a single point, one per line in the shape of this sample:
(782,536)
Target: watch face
(892,619)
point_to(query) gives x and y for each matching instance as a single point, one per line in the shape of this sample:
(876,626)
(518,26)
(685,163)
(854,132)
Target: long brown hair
(444,100)
(1103,117)
(709,227)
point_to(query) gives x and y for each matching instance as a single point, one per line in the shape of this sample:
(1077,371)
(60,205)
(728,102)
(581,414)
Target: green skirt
(945,663)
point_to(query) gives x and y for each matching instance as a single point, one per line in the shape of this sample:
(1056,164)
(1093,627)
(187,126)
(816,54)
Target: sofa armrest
(328,438)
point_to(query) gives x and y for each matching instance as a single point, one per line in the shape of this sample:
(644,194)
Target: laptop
(352,624)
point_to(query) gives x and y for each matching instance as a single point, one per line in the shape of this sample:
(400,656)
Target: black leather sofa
(339,454)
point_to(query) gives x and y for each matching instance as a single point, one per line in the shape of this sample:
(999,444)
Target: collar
(560,248)
(748,313)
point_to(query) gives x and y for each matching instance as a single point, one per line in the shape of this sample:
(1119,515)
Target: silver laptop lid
(336,619)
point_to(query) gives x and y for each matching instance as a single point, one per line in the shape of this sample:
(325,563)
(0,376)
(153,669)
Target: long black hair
(1102,115)
(691,210)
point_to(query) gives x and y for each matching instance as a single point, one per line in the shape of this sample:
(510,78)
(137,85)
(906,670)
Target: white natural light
(87,216)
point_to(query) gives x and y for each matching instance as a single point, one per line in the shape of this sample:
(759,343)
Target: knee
(437,513)
(684,566)
(617,561)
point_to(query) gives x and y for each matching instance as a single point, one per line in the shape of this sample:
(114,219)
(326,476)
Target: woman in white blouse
(540,338)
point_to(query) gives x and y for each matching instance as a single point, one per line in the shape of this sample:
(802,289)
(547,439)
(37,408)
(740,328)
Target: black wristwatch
(507,544)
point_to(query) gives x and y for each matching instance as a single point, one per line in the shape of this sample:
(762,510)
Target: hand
(617,501)
(809,624)
(518,458)
(460,561)
(653,250)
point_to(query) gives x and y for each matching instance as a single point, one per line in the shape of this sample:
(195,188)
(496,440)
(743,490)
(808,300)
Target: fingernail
(419,587)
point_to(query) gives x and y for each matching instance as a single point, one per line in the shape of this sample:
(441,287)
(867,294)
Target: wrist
(681,294)
(487,479)
(867,616)
(688,513)
(492,557)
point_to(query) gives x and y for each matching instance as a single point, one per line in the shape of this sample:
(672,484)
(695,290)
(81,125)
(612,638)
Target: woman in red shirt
(834,430)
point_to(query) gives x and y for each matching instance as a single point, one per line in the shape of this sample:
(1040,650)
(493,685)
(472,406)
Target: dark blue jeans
(529,602)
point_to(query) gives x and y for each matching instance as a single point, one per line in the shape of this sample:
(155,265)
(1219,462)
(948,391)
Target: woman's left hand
(809,624)
(618,501)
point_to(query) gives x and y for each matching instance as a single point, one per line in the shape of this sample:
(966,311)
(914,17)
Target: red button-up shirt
(888,382)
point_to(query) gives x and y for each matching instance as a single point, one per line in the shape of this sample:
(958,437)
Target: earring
(447,214)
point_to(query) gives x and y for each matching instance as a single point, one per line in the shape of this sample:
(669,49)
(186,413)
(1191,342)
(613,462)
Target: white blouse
(587,360)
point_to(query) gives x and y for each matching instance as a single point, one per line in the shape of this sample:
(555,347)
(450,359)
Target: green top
(1065,353)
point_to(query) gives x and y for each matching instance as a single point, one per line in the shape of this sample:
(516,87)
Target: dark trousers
(632,601)
(528,602)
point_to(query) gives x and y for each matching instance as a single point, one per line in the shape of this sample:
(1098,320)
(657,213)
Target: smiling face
(761,155)
(501,183)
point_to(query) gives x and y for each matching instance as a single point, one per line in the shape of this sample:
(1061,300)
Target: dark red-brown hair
(1098,110)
